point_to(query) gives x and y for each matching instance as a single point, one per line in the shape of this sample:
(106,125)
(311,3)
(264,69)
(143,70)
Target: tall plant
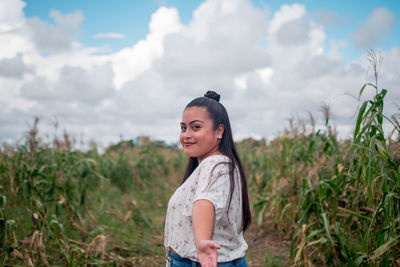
(380,175)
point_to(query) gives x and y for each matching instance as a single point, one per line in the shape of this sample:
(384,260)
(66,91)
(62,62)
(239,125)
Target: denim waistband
(237,262)
(179,258)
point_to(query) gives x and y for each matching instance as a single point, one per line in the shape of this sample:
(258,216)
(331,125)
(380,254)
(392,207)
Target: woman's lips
(188,144)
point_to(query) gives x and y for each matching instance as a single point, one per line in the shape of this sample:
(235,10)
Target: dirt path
(266,248)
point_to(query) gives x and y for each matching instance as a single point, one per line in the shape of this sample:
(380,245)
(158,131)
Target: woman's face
(198,137)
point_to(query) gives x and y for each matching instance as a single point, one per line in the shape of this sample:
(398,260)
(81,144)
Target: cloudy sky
(106,70)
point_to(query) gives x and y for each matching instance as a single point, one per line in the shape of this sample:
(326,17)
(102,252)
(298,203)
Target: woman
(209,212)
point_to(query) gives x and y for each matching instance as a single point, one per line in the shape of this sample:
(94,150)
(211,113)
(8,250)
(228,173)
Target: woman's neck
(211,153)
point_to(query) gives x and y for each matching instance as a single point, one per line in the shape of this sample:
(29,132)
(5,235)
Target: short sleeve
(214,185)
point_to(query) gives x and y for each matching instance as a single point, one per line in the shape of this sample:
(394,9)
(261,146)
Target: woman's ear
(220,131)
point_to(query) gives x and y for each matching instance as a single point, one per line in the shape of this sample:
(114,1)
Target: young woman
(209,212)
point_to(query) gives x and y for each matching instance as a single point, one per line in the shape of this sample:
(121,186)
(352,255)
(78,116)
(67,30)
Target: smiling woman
(198,137)
(208,213)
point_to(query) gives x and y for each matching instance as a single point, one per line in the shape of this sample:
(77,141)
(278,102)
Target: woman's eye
(196,127)
(183,128)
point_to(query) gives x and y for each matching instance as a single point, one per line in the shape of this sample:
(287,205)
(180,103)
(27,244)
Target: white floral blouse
(210,180)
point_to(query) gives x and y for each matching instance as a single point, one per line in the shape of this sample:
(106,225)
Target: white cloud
(326,17)
(37,89)
(11,14)
(112,35)
(294,32)
(12,43)
(55,37)
(293,36)
(75,84)
(265,74)
(129,62)
(14,67)
(286,14)
(266,68)
(378,24)
(78,85)
(241,81)
(214,48)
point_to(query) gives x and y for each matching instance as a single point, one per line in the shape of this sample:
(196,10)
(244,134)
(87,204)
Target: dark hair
(218,115)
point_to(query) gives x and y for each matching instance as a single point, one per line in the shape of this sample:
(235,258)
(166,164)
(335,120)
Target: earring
(220,137)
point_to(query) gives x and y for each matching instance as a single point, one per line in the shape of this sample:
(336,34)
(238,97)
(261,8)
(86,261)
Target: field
(316,200)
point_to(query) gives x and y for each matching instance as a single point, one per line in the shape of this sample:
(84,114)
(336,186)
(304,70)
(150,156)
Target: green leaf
(384,248)
(322,240)
(71,260)
(359,119)
(326,227)
(355,214)
(360,259)
(314,233)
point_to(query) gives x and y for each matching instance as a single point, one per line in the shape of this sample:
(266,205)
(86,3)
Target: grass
(273,261)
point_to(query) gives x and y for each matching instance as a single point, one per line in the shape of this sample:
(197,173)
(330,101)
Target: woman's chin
(190,153)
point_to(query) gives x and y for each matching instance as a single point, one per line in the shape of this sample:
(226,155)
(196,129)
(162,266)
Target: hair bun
(212,95)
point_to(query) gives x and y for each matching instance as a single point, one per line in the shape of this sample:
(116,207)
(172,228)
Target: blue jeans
(178,261)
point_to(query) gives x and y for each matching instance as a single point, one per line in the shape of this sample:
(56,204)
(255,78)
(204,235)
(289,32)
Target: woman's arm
(203,227)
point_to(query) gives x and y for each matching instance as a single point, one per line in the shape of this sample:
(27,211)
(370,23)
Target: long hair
(218,115)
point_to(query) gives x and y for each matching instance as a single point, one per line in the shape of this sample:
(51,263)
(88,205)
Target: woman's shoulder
(220,162)
(215,159)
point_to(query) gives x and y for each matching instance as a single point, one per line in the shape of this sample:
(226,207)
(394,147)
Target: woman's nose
(186,134)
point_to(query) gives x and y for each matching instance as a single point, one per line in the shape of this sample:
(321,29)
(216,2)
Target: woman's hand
(207,253)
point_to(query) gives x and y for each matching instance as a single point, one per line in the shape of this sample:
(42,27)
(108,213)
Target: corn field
(64,207)
(338,201)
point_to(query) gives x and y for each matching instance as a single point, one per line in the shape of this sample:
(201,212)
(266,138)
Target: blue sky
(131,18)
(271,61)
(127,17)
